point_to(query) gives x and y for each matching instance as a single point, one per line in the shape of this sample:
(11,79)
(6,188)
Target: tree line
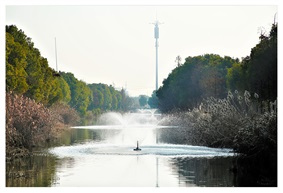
(29,74)
(196,79)
(211,75)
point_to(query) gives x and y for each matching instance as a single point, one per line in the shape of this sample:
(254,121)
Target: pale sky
(115,44)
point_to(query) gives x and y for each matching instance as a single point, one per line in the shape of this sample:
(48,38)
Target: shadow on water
(225,172)
(256,171)
(208,172)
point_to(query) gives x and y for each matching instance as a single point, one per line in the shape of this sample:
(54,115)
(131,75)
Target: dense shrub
(30,124)
(65,114)
(27,123)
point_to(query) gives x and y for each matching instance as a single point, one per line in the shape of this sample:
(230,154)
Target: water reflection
(36,171)
(204,171)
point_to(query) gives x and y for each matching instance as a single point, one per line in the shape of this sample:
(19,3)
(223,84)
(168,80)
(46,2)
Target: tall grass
(239,121)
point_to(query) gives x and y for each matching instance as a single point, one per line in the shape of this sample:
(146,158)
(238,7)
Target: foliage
(15,66)
(234,77)
(143,100)
(127,102)
(80,92)
(199,77)
(153,100)
(105,98)
(258,72)
(64,114)
(213,76)
(27,72)
(65,90)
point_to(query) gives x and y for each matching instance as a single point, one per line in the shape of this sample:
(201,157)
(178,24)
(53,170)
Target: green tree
(126,101)
(235,77)
(15,66)
(80,93)
(258,71)
(197,78)
(143,100)
(107,103)
(153,100)
(119,99)
(114,103)
(213,83)
(27,72)
(65,90)
(97,97)
(105,98)
(262,67)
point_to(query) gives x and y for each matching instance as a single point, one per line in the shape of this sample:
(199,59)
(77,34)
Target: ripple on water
(90,149)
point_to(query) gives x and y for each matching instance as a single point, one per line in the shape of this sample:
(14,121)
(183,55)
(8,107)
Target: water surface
(109,161)
(102,156)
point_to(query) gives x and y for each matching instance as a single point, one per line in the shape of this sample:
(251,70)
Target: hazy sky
(115,44)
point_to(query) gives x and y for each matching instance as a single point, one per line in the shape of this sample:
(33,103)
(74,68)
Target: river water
(103,156)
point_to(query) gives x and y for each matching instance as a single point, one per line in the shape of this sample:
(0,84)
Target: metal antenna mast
(56,74)
(56,55)
(156,36)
